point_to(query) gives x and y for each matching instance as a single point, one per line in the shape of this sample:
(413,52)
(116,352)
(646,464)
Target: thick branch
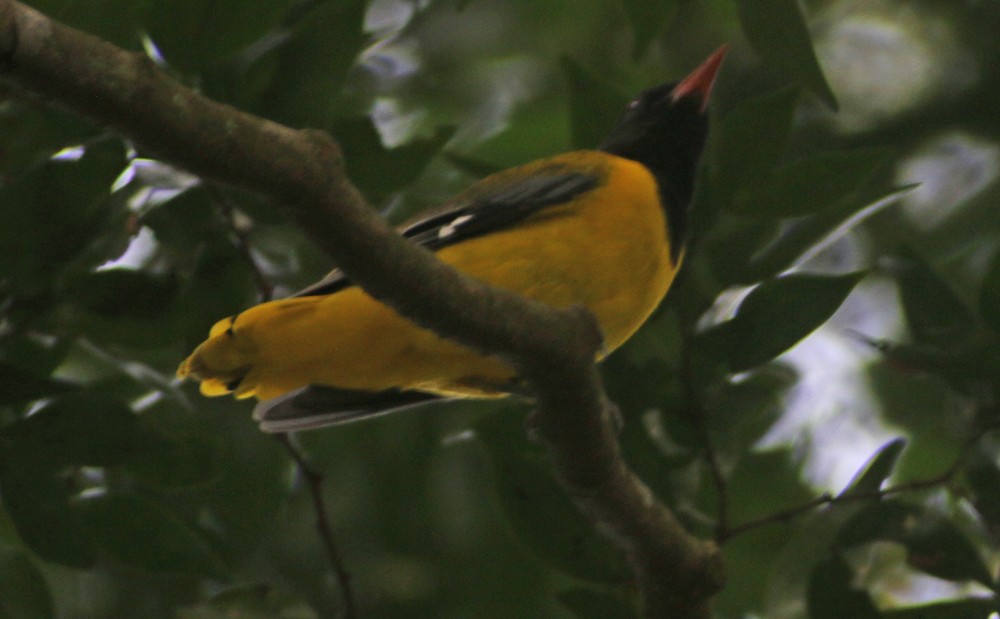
(303,170)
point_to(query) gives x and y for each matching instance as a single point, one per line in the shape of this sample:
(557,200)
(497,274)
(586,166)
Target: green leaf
(748,243)
(983,477)
(123,307)
(811,185)
(753,565)
(88,429)
(648,18)
(38,455)
(140,533)
(989,295)
(765,482)
(314,62)
(183,222)
(115,293)
(180,463)
(970,608)
(592,604)
(194,34)
(379,171)
(594,106)
(777,315)
(740,413)
(29,135)
(538,510)
(533,130)
(19,385)
(80,430)
(803,236)
(220,286)
(24,594)
(734,242)
(250,491)
(474,167)
(249,602)
(832,596)
(937,546)
(935,313)
(934,543)
(38,504)
(116,20)
(750,140)
(39,355)
(61,215)
(550,525)
(744,145)
(777,30)
(969,367)
(882,520)
(878,468)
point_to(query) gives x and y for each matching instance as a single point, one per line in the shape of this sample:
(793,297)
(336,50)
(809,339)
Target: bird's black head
(665,128)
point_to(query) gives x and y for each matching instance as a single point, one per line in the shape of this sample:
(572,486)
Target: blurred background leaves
(835,326)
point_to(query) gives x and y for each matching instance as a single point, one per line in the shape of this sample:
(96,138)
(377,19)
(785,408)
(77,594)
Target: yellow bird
(601,228)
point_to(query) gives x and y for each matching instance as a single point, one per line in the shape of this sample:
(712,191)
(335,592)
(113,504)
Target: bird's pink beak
(700,81)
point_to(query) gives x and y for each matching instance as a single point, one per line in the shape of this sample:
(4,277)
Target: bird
(604,229)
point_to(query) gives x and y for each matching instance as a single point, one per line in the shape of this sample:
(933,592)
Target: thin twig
(314,478)
(715,470)
(314,481)
(241,242)
(777,517)
(698,417)
(854,497)
(841,499)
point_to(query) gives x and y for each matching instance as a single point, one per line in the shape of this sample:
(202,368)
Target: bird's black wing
(317,406)
(498,205)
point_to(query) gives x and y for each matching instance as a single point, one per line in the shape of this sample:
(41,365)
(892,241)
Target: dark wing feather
(317,406)
(497,207)
(335,280)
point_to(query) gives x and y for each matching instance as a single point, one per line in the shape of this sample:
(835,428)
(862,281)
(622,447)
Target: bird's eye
(634,105)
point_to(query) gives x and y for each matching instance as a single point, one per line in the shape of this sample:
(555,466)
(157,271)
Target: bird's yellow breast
(607,249)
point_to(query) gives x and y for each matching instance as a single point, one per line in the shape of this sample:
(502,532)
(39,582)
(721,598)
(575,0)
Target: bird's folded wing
(317,406)
(499,205)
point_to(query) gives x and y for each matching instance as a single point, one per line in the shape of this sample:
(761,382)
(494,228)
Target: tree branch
(303,170)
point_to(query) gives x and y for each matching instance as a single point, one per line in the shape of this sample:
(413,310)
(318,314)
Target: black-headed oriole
(600,228)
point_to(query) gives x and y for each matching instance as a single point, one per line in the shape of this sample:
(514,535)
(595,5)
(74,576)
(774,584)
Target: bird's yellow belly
(614,261)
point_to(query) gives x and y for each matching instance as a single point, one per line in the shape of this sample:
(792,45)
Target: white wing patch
(450,229)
